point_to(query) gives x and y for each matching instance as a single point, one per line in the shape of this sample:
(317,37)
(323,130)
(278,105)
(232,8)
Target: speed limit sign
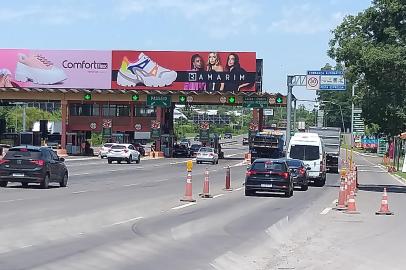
(93,125)
(223,99)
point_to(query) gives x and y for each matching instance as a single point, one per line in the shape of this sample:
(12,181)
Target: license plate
(266,185)
(18,174)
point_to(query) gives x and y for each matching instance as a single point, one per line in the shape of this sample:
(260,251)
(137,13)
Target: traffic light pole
(289,110)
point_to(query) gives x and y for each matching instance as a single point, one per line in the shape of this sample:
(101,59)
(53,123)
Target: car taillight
(285,175)
(302,171)
(38,162)
(250,172)
(125,151)
(4,161)
(211,154)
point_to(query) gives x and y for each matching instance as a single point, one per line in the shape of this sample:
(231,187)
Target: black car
(180,151)
(194,148)
(139,148)
(299,173)
(32,164)
(269,175)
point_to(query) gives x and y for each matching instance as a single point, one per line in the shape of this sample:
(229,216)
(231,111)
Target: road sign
(223,99)
(325,80)
(268,112)
(93,125)
(137,126)
(189,99)
(159,100)
(107,123)
(358,122)
(155,129)
(255,102)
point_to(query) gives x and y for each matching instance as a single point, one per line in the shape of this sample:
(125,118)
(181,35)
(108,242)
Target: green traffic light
(279,100)
(87,97)
(135,97)
(182,99)
(231,100)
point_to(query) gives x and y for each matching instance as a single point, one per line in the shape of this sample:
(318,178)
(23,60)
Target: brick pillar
(64,113)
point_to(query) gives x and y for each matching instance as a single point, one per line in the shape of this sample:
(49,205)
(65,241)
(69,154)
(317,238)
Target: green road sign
(135,97)
(158,101)
(255,102)
(279,99)
(231,100)
(182,99)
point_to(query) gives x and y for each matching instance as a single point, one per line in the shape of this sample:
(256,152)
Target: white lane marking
(77,174)
(239,188)
(27,246)
(15,200)
(113,170)
(131,185)
(325,211)
(162,180)
(126,221)
(183,206)
(231,155)
(218,195)
(81,191)
(157,165)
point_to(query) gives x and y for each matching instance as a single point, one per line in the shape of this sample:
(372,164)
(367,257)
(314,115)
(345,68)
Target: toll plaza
(129,96)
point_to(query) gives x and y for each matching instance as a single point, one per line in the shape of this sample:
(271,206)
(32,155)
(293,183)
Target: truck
(266,145)
(331,137)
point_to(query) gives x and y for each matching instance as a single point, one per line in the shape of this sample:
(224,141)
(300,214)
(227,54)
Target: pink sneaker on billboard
(5,78)
(38,69)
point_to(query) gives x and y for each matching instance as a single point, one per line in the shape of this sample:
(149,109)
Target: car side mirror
(308,168)
(61,159)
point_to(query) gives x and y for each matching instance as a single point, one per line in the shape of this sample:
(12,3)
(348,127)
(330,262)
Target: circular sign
(189,99)
(93,125)
(272,100)
(223,99)
(138,127)
(313,82)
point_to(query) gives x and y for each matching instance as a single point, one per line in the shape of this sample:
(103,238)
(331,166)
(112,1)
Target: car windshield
(206,149)
(294,163)
(304,152)
(23,153)
(118,147)
(268,166)
(195,146)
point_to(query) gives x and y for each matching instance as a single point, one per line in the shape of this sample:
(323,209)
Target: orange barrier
(188,189)
(384,210)
(341,197)
(228,179)
(206,193)
(352,209)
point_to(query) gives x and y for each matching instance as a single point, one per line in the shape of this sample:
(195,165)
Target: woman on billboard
(196,64)
(214,66)
(236,73)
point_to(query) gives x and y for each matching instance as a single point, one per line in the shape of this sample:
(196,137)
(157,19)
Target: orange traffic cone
(206,193)
(352,209)
(341,197)
(188,190)
(384,205)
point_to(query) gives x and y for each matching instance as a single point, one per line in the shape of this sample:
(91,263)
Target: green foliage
(372,47)
(14,117)
(97,139)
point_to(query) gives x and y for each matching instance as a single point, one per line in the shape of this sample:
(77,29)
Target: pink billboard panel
(55,68)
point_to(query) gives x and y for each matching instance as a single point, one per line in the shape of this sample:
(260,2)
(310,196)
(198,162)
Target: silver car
(105,149)
(207,154)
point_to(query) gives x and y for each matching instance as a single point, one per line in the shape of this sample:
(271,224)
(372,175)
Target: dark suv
(32,164)
(269,175)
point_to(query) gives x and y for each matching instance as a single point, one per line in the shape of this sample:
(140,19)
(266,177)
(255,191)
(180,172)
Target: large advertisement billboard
(194,71)
(55,68)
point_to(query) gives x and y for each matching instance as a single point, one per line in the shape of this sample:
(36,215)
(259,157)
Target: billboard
(55,68)
(193,71)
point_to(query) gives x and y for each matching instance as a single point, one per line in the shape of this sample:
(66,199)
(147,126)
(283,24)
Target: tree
(14,117)
(372,48)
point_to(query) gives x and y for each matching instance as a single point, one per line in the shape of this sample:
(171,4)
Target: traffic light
(87,96)
(135,97)
(231,100)
(182,99)
(279,99)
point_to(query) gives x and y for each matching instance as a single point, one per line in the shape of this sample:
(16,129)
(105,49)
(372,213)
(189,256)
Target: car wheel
(109,161)
(129,159)
(3,183)
(101,157)
(304,187)
(64,181)
(249,192)
(213,162)
(25,185)
(45,182)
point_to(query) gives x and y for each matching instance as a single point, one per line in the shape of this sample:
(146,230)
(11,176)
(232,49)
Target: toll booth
(75,142)
(167,143)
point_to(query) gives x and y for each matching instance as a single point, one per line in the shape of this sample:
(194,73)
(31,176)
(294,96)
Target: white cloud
(305,19)
(218,18)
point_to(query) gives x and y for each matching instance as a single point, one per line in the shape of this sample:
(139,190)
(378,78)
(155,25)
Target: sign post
(155,129)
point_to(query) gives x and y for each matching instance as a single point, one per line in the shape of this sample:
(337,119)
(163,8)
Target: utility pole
(289,109)
(294,116)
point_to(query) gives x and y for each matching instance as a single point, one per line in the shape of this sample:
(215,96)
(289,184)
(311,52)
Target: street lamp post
(341,111)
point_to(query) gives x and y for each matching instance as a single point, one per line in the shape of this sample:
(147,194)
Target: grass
(401,174)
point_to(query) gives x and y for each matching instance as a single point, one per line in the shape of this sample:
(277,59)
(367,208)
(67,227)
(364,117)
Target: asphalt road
(120,216)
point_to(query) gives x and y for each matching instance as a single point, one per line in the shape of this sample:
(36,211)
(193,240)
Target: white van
(309,148)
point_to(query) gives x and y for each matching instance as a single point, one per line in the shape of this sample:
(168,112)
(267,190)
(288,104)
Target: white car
(123,152)
(104,150)
(207,154)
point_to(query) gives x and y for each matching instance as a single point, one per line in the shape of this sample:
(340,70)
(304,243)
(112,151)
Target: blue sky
(290,35)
